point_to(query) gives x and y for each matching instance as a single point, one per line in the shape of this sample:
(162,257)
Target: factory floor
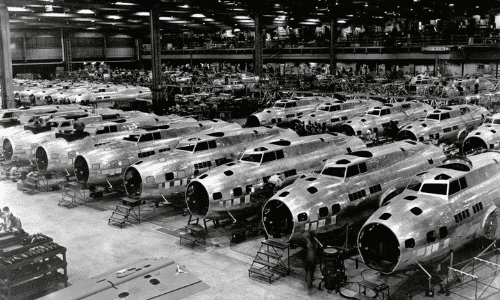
(93,247)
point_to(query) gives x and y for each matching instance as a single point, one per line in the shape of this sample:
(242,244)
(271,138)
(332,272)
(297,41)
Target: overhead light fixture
(56,15)
(142,13)
(14,8)
(91,28)
(125,3)
(242,17)
(85,12)
(167,18)
(198,15)
(341,21)
(208,20)
(184,6)
(114,17)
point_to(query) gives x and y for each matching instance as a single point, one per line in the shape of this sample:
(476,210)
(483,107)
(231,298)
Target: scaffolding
(480,273)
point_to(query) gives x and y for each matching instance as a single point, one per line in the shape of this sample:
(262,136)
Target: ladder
(268,263)
(71,192)
(125,212)
(31,185)
(379,290)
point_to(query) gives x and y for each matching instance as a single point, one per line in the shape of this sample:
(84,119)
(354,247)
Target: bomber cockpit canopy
(492,120)
(379,111)
(438,115)
(285,104)
(329,108)
(261,155)
(344,168)
(196,144)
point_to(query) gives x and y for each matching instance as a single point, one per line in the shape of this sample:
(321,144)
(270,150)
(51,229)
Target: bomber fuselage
(445,125)
(245,184)
(105,165)
(347,189)
(440,211)
(168,173)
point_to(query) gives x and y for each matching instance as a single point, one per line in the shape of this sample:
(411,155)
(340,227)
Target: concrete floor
(94,247)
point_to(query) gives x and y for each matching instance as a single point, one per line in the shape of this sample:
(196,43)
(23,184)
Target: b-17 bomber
(347,189)
(439,212)
(242,186)
(103,166)
(22,147)
(384,120)
(448,124)
(338,111)
(486,137)
(168,173)
(285,110)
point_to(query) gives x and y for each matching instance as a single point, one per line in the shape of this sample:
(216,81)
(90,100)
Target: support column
(66,49)
(159,103)
(5,59)
(105,47)
(333,43)
(25,58)
(258,46)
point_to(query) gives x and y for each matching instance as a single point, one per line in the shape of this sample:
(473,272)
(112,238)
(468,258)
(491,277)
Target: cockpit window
(334,171)
(435,188)
(132,137)
(433,116)
(279,104)
(489,121)
(65,124)
(254,157)
(102,130)
(268,156)
(146,138)
(374,112)
(414,184)
(186,146)
(496,121)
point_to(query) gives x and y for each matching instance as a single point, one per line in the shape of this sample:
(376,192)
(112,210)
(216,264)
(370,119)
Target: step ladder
(31,185)
(268,264)
(128,211)
(196,221)
(71,193)
(193,235)
(378,291)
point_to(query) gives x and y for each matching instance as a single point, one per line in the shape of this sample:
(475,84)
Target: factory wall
(46,45)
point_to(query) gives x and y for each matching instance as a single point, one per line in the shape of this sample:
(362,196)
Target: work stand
(71,193)
(268,263)
(127,212)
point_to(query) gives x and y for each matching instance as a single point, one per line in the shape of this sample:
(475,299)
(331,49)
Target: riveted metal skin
(347,189)
(440,211)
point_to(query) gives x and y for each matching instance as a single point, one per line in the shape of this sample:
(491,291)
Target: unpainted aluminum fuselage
(447,207)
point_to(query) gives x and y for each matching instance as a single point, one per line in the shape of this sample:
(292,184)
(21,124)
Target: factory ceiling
(213,15)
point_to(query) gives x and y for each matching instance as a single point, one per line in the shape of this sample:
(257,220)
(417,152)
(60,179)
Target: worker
(476,85)
(11,222)
(310,258)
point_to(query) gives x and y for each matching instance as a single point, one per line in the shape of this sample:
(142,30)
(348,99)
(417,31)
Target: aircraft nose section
(7,149)
(278,220)
(197,199)
(81,169)
(347,130)
(379,247)
(473,144)
(42,160)
(406,135)
(133,182)
(253,121)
